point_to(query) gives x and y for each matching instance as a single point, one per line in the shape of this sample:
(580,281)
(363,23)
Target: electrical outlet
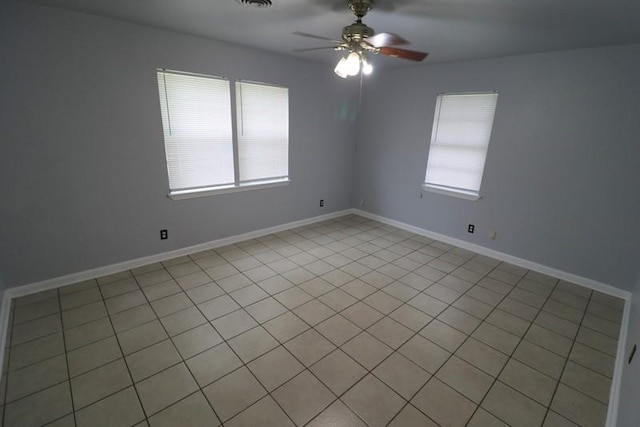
(471,228)
(322,203)
(163,235)
(633,352)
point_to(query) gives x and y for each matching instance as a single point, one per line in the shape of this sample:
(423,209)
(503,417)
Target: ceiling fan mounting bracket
(360,7)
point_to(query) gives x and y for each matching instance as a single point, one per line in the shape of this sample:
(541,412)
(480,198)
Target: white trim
(231,188)
(453,192)
(621,357)
(56,282)
(529,265)
(614,394)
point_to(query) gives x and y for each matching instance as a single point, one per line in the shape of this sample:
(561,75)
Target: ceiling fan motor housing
(357,32)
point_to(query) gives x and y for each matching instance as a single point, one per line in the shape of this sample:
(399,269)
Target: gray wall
(562,177)
(628,410)
(82,166)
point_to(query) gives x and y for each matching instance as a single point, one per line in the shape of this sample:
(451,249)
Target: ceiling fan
(359,40)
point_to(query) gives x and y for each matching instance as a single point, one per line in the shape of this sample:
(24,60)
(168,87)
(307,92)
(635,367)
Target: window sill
(462,194)
(232,188)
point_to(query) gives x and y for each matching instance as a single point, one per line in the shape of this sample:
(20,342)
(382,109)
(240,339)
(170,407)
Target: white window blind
(459,141)
(263,131)
(196,118)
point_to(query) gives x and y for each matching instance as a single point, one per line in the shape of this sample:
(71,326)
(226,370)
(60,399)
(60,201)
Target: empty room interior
(267,213)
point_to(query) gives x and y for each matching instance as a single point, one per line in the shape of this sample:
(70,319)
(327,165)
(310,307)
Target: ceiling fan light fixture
(352,64)
(367,68)
(341,69)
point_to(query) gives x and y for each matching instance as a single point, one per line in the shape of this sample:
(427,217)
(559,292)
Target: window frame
(463,193)
(237,185)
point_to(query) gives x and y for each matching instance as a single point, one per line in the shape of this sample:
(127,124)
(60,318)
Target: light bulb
(353,64)
(342,69)
(366,67)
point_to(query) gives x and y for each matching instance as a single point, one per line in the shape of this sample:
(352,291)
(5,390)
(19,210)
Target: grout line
(66,358)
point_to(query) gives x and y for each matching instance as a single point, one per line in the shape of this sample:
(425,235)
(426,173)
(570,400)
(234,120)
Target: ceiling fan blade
(314,48)
(402,53)
(313,36)
(385,39)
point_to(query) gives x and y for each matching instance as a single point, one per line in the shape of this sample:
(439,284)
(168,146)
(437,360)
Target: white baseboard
(68,279)
(56,282)
(614,396)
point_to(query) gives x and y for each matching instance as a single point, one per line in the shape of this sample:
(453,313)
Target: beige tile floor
(347,322)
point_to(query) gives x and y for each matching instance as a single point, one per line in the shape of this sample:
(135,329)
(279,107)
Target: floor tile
(39,408)
(234,393)
(265,310)
(554,420)
(265,412)
(141,336)
(410,317)
(424,353)
(508,322)
(125,301)
(587,381)
(338,371)
(594,360)
(539,358)
(133,317)
(367,350)
(309,347)
(193,279)
(100,382)
(277,284)
(303,397)
(161,290)
(473,306)
(373,401)
(122,408)
(443,404)
(497,338)
(212,364)
(390,332)
(119,287)
(87,333)
(36,351)
(427,304)
(402,375)
(338,299)
(204,293)
(358,289)
(557,324)
(151,360)
(285,327)
(182,321)
(196,340)
(252,344)
(528,381)
(234,324)
(482,356)
(171,304)
(598,341)
(248,295)
(338,329)
(93,355)
(482,418)
(36,310)
(84,314)
(316,287)
(313,312)
(411,417)
(37,328)
(338,415)
(549,340)
(362,315)
(293,297)
(192,411)
(465,379)
(444,335)
(36,377)
(275,368)
(579,408)
(512,407)
(165,388)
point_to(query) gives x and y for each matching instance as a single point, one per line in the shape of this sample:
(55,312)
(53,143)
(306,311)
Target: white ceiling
(450,30)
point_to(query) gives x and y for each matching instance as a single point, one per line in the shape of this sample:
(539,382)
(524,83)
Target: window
(204,154)
(459,142)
